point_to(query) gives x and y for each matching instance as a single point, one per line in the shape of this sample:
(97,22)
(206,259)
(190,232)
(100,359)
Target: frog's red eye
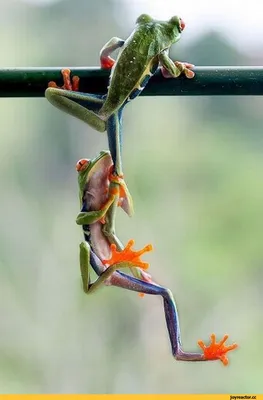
(82,164)
(182,24)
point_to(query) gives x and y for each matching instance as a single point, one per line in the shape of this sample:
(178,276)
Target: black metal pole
(209,81)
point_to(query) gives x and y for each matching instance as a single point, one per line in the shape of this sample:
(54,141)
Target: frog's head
(88,168)
(170,29)
(177,25)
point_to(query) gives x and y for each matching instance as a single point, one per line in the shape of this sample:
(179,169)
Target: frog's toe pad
(217,350)
(189,73)
(68,83)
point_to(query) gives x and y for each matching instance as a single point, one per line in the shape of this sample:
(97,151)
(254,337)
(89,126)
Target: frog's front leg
(109,226)
(113,44)
(123,199)
(68,99)
(173,69)
(90,217)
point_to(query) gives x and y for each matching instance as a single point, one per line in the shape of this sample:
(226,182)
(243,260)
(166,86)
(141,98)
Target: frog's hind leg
(78,104)
(215,351)
(72,103)
(128,282)
(88,260)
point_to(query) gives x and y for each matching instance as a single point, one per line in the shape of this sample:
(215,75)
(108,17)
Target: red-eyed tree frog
(139,57)
(100,193)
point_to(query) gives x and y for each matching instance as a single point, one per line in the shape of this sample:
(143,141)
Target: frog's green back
(138,60)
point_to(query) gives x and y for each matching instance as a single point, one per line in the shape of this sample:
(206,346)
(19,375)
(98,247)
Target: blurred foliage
(198,192)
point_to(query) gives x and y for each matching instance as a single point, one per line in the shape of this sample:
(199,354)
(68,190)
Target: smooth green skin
(139,56)
(108,230)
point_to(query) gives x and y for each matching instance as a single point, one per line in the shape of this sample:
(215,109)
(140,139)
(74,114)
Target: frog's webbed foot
(217,350)
(128,257)
(68,83)
(182,68)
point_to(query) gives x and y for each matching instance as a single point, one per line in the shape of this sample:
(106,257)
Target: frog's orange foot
(128,256)
(68,84)
(217,351)
(107,62)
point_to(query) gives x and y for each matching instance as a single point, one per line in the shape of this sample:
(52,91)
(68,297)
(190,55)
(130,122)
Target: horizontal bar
(209,81)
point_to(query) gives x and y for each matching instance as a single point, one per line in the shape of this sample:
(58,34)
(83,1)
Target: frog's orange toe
(217,351)
(75,83)
(66,78)
(67,85)
(189,74)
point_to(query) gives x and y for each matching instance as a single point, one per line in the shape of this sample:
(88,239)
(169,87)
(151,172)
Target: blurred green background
(194,167)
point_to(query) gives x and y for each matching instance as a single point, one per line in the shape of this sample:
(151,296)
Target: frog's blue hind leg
(172,320)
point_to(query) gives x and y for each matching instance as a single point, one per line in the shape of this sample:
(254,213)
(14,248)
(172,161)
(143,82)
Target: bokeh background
(194,167)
